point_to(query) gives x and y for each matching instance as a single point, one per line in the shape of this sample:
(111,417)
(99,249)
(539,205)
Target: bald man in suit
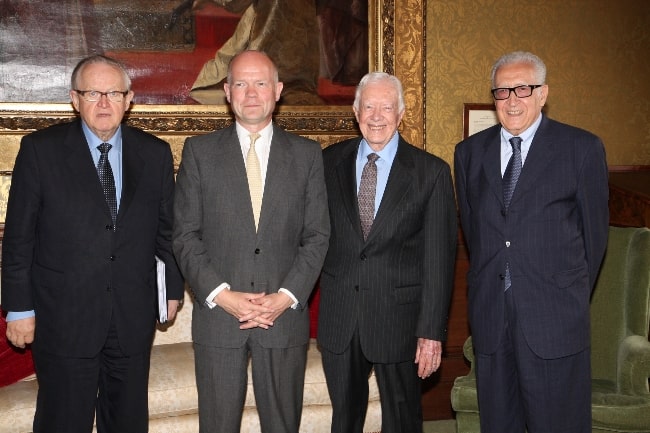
(251,254)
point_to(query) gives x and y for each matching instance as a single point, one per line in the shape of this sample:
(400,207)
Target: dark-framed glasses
(501,93)
(96,95)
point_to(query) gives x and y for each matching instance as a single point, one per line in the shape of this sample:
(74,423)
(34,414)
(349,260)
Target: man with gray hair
(90,209)
(532,194)
(388,275)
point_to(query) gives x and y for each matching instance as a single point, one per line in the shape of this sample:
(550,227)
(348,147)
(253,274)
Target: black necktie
(510,178)
(107,180)
(366,198)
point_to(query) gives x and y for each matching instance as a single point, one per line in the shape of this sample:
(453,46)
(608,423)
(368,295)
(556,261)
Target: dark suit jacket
(553,235)
(215,239)
(60,255)
(396,286)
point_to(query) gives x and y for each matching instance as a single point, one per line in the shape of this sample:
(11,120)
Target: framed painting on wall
(177,51)
(399,53)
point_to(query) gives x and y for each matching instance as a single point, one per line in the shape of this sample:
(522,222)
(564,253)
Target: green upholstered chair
(620,351)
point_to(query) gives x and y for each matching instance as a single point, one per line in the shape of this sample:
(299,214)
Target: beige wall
(597,53)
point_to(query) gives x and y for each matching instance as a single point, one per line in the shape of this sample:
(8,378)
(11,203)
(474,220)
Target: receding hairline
(95,60)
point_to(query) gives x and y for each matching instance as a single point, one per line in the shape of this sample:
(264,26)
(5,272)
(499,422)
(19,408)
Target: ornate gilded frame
(397,52)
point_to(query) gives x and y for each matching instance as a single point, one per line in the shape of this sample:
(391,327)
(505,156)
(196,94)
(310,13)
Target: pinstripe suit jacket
(553,235)
(215,239)
(396,286)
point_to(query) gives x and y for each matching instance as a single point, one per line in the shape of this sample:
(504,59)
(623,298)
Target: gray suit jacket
(553,235)
(395,286)
(215,240)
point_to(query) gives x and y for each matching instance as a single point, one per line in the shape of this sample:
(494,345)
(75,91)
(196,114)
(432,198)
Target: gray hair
(521,57)
(99,59)
(376,77)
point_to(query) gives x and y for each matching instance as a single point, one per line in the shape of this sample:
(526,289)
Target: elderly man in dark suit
(250,236)
(90,207)
(388,275)
(533,198)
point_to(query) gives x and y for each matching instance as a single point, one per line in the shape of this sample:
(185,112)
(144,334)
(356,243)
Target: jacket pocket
(567,278)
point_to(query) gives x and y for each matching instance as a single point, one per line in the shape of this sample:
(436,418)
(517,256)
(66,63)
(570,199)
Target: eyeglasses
(501,93)
(96,95)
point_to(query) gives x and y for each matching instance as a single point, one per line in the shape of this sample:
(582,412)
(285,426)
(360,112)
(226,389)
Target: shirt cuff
(293,298)
(214,293)
(17,315)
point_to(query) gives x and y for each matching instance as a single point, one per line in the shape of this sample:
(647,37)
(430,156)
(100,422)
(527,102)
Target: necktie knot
(104,147)
(254,136)
(372,157)
(515,142)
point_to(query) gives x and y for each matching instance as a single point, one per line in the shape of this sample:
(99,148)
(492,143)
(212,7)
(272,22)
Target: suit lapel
(347,175)
(542,152)
(81,166)
(492,163)
(398,184)
(132,167)
(280,159)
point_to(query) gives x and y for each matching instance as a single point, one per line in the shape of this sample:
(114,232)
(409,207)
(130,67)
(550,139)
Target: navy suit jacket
(60,254)
(395,286)
(553,235)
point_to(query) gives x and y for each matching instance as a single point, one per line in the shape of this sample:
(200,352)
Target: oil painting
(177,51)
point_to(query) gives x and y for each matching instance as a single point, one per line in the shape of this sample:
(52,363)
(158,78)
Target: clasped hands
(253,310)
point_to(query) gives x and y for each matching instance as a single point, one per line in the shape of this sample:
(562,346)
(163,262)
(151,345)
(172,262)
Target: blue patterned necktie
(367,190)
(513,170)
(107,180)
(510,178)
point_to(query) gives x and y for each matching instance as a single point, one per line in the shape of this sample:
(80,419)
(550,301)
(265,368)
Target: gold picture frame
(399,53)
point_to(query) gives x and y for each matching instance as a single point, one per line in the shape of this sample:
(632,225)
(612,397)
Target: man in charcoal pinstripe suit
(384,294)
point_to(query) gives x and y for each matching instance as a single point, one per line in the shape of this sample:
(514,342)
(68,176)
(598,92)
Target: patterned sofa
(173,396)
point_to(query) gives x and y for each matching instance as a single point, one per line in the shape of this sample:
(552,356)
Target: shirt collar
(93,141)
(387,153)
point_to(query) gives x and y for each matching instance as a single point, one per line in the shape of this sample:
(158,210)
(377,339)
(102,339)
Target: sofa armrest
(634,365)
(468,351)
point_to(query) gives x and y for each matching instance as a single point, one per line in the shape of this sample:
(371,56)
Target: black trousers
(347,382)
(111,385)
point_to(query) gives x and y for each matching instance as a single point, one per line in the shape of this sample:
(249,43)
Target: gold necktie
(254,175)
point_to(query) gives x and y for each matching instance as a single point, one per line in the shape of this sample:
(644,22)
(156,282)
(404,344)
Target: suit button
(363,257)
(108,289)
(109,227)
(501,276)
(504,212)
(257,250)
(356,288)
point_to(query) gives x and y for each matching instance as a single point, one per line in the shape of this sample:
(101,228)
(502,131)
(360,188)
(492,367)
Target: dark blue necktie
(107,180)
(510,178)
(513,170)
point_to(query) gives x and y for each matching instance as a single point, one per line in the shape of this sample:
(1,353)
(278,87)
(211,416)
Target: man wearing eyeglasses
(532,194)
(90,207)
